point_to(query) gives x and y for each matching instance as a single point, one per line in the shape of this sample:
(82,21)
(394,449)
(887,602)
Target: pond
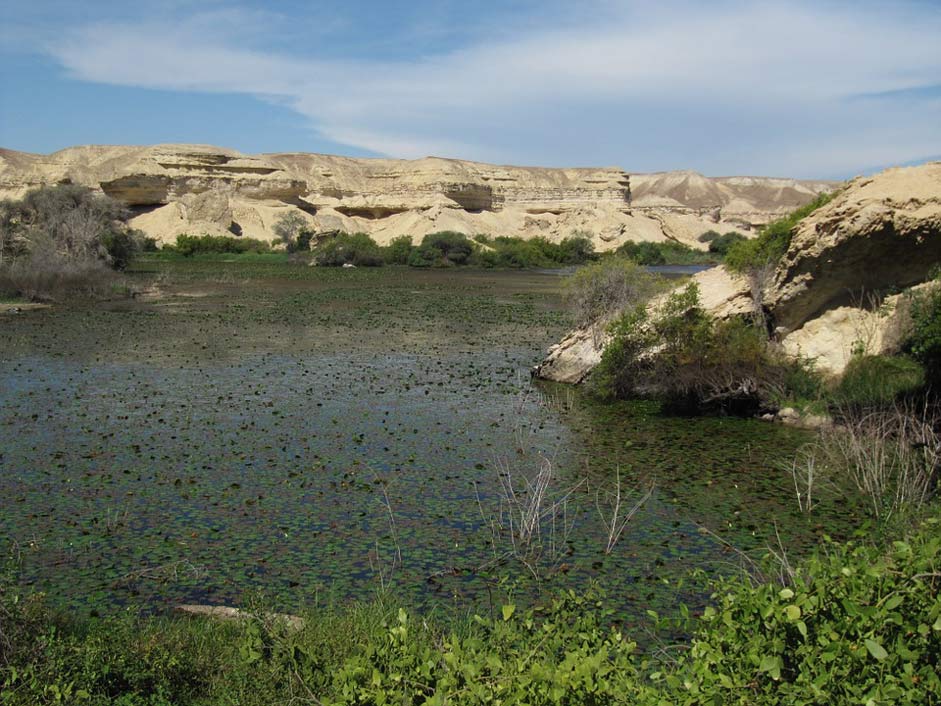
(317,434)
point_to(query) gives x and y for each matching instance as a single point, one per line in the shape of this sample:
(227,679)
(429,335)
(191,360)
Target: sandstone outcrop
(175,189)
(722,293)
(839,287)
(880,233)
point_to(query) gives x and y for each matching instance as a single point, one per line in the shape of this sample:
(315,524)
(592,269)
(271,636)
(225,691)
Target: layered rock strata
(176,189)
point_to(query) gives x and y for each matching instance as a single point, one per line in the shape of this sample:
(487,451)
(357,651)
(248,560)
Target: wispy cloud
(728,86)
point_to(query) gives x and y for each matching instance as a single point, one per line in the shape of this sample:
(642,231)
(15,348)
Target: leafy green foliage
(444,249)
(348,249)
(663,253)
(693,362)
(723,243)
(189,245)
(398,251)
(877,380)
(772,242)
(924,342)
(857,624)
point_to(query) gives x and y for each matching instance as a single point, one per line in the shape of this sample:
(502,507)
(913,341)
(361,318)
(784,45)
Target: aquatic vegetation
(225,435)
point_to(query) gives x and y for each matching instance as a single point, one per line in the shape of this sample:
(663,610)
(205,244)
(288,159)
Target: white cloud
(768,84)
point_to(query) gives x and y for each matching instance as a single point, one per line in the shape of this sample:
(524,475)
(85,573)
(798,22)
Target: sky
(802,88)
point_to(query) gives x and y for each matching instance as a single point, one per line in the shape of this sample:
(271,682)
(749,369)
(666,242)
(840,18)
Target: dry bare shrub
(600,292)
(891,454)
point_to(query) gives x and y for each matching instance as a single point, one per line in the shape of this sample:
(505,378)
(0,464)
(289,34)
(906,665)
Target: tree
(289,228)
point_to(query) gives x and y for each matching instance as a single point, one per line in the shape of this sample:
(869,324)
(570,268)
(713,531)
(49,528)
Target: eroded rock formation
(198,189)
(839,287)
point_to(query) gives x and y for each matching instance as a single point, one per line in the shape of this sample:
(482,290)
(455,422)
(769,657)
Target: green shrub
(722,244)
(442,249)
(924,341)
(189,245)
(663,253)
(398,251)
(348,249)
(693,362)
(772,242)
(858,624)
(708,236)
(644,253)
(878,380)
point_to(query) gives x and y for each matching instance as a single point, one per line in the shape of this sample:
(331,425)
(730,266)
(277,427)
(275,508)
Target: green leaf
(793,613)
(772,665)
(508,611)
(875,649)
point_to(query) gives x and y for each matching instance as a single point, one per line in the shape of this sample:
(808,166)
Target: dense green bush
(443,249)
(857,625)
(348,249)
(398,251)
(721,245)
(772,242)
(663,253)
(189,245)
(924,341)
(693,362)
(877,380)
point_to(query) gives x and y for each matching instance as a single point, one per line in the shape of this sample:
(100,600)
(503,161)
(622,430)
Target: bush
(348,249)
(663,253)
(398,251)
(857,624)
(189,245)
(878,380)
(442,249)
(598,292)
(291,228)
(691,361)
(721,245)
(924,341)
(747,256)
(61,240)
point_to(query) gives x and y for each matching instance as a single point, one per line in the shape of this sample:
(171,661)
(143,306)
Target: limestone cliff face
(202,189)
(836,290)
(882,232)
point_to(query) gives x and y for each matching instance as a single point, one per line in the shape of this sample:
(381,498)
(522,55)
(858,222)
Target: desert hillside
(176,189)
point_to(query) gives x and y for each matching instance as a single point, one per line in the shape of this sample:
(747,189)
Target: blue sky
(779,87)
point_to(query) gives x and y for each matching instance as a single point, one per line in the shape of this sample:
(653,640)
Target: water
(315,435)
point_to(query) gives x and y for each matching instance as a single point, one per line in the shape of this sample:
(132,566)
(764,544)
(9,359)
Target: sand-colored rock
(827,298)
(875,327)
(721,293)
(881,232)
(175,189)
(221,612)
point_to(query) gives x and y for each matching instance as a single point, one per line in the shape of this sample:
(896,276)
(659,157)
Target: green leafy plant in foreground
(854,623)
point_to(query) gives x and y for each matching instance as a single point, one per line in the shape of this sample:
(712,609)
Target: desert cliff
(839,288)
(198,189)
